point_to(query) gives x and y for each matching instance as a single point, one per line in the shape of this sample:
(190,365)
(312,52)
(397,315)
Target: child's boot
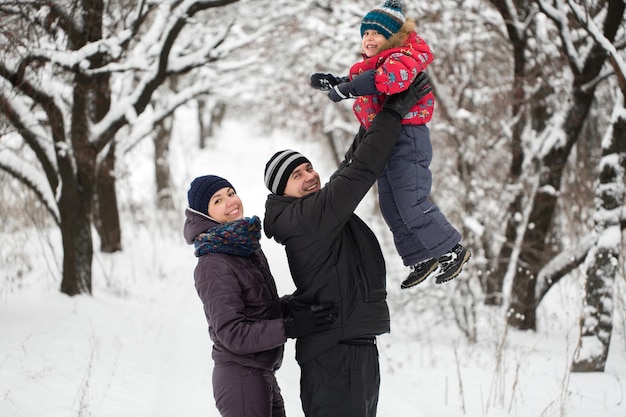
(451,263)
(419,272)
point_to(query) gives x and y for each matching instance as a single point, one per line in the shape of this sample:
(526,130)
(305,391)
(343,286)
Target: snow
(591,347)
(139,346)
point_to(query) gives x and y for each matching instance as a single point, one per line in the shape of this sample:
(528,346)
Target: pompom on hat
(279,168)
(202,189)
(386,19)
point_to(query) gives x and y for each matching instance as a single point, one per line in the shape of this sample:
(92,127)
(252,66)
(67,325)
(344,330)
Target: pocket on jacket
(373,290)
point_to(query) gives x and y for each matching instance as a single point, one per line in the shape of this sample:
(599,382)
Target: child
(393,55)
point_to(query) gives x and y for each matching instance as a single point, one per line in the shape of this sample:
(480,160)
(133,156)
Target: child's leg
(410,179)
(409,248)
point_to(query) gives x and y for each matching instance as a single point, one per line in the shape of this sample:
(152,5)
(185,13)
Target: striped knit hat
(279,168)
(386,19)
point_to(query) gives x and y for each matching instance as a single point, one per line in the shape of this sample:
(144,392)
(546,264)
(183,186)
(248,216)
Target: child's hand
(324,82)
(361,85)
(340,92)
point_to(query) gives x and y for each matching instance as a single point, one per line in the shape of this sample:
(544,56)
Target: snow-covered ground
(139,346)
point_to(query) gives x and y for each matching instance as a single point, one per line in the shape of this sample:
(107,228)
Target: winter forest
(529,139)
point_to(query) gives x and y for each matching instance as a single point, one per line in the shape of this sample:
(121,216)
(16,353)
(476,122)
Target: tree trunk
(533,254)
(77,242)
(210,115)
(494,282)
(75,201)
(107,218)
(203,123)
(596,324)
(521,312)
(165,201)
(77,190)
(106,214)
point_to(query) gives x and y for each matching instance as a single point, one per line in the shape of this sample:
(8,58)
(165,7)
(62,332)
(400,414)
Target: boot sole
(466,258)
(424,277)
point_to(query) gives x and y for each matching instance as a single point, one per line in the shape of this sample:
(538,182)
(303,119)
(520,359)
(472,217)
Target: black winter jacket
(241,303)
(333,255)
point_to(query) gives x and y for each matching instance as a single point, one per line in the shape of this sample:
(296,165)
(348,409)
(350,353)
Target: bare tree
(602,261)
(596,324)
(586,60)
(56,89)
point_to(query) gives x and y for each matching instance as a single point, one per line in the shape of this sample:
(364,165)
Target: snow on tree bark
(596,323)
(586,64)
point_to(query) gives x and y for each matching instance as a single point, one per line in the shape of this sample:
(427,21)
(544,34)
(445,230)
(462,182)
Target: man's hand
(312,319)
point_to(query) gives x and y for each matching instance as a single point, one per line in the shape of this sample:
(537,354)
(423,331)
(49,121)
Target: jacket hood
(196,223)
(274,207)
(399,38)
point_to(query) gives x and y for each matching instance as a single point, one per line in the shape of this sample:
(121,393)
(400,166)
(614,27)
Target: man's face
(304,180)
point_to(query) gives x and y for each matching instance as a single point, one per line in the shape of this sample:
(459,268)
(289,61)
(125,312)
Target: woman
(248,322)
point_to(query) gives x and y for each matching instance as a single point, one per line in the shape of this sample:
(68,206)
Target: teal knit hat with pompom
(386,19)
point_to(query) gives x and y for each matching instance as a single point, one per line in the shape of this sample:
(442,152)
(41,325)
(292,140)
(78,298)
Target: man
(334,256)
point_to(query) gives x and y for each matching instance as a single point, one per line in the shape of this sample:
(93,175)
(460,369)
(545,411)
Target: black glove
(401,103)
(325,82)
(307,320)
(339,92)
(361,85)
(283,303)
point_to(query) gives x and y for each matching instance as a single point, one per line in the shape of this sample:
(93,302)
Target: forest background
(529,140)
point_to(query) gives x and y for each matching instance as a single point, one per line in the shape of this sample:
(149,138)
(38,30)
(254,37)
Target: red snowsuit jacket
(402,57)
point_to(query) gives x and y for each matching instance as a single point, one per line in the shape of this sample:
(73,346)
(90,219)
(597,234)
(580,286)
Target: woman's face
(225,206)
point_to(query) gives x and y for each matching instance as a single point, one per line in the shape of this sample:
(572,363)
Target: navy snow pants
(420,230)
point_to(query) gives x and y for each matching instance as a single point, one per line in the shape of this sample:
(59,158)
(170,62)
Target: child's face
(371,42)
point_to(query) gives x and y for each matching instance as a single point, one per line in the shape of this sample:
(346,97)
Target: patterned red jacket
(402,57)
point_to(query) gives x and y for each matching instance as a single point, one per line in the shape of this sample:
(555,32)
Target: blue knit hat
(386,19)
(202,189)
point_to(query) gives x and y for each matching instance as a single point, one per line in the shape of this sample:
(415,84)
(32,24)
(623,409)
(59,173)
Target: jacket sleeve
(330,208)
(347,158)
(224,308)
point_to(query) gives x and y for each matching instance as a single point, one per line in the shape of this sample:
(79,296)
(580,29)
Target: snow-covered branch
(561,265)
(558,14)
(31,178)
(200,56)
(30,130)
(144,125)
(170,19)
(80,58)
(619,65)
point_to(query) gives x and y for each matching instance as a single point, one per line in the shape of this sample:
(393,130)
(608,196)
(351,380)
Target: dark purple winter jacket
(241,303)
